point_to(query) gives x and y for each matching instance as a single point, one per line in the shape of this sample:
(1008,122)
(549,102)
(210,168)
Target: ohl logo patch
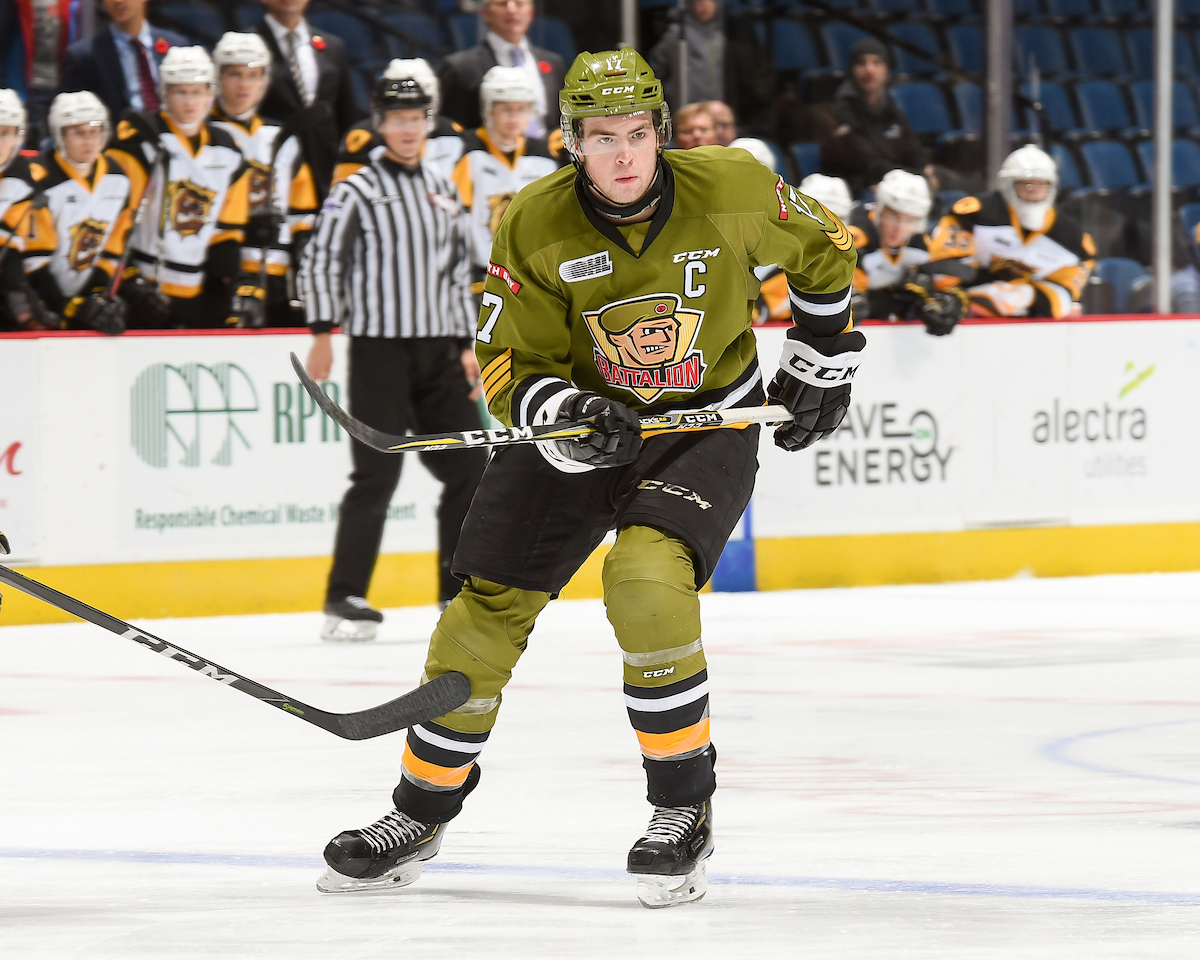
(86,237)
(645,345)
(187,207)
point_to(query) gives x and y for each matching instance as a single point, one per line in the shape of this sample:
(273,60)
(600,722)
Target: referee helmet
(403,93)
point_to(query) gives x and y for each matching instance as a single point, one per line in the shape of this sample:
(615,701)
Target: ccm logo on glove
(813,367)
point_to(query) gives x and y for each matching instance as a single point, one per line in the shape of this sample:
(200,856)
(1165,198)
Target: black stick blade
(4,547)
(440,695)
(376,439)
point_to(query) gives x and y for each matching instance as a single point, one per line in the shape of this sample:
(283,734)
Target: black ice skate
(385,856)
(350,619)
(669,861)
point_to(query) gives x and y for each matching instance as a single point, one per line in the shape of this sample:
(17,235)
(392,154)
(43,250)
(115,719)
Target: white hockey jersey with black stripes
(488,179)
(90,214)
(203,201)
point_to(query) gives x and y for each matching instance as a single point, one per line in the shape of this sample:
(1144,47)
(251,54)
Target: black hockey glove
(97,313)
(262,230)
(617,439)
(249,307)
(939,310)
(149,307)
(27,312)
(814,383)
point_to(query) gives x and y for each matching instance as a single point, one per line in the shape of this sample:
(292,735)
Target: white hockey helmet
(906,193)
(831,191)
(758,150)
(419,70)
(186,65)
(12,112)
(241,50)
(75,110)
(508,84)
(1028,163)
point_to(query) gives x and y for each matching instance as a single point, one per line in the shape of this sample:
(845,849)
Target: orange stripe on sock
(434,774)
(660,746)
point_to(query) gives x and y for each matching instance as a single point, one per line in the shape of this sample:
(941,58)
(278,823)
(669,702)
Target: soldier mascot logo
(187,207)
(644,345)
(86,237)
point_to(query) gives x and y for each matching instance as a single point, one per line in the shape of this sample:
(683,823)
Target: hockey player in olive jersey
(443,146)
(621,284)
(1014,252)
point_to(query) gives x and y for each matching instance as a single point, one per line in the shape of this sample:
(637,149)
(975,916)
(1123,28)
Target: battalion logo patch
(187,208)
(645,345)
(495,270)
(86,237)
(585,268)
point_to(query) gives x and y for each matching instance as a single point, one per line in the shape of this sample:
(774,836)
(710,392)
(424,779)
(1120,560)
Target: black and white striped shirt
(389,257)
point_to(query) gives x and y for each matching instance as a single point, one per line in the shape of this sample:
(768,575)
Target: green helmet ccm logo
(607,84)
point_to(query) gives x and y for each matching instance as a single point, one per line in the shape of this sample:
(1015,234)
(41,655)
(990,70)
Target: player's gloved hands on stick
(149,307)
(814,383)
(617,436)
(262,230)
(939,310)
(95,312)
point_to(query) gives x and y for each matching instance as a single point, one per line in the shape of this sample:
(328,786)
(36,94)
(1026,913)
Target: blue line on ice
(857,884)
(1057,751)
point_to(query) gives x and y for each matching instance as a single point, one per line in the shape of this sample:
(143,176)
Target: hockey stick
(664,423)
(318,112)
(118,276)
(440,695)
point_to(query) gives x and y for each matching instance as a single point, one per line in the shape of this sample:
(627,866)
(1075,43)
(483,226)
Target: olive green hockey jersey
(567,301)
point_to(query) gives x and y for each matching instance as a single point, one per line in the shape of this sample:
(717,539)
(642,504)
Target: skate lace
(392,830)
(671,824)
(358,602)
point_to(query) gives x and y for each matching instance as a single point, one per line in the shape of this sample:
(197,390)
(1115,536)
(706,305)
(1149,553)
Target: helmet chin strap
(609,208)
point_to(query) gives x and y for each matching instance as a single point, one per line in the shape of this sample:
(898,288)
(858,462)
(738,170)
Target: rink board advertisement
(167,450)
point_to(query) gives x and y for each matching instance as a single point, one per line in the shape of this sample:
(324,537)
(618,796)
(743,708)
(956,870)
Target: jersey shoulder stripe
(218,137)
(471,141)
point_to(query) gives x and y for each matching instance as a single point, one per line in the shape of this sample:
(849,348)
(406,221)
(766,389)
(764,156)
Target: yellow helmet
(607,84)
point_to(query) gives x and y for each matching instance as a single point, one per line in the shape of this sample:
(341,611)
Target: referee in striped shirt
(389,260)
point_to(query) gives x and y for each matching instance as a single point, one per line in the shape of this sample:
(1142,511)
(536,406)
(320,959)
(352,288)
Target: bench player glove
(249,307)
(617,436)
(814,383)
(149,307)
(262,230)
(939,310)
(95,312)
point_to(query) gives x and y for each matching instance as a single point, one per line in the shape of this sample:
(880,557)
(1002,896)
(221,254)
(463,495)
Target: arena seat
(923,36)
(1185,117)
(806,158)
(464,30)
(419,25)
(1141,54)
(1042,47)
(965,41)
(793,48)
(1185,163)
(1102,108)
(1099,52)
(968,100)
(553,34)
(924,105)
(952,9)
(1069,179)
(1058,112)
(247,16)
(839,37)
(1122,273)
(199,21)
(1110,165)
(1069,10)
(360,39)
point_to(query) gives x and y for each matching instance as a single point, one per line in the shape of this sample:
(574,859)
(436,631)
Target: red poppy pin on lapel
(544,66)
(161,46)
(319,42)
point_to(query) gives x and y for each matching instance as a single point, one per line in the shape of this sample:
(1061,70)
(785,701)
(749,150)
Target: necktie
(294,66)
(146,88)
(518,57)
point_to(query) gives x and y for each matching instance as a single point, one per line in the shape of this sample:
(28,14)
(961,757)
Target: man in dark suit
(120,63)
(307,67)
(504,43)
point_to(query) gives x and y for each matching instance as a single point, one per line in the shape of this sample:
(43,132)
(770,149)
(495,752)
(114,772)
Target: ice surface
(1000,770)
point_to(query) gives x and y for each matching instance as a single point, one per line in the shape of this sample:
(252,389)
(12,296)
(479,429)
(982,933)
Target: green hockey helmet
(606,84)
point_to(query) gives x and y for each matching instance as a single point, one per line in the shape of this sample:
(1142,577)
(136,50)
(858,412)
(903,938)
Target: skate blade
(339,629)
(401,876)
(655,892)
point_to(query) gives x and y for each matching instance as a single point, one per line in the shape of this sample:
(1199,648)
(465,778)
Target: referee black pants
(396,385)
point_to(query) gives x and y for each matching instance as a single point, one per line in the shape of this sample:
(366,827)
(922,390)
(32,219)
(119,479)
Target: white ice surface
(1000,770)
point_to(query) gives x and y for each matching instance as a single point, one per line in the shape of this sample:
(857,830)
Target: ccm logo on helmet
(608,90)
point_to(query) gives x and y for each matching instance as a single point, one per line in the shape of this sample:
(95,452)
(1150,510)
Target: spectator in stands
(724,121)
(307,67)
(1015,253)
(90,204)
(120,64)
(504,44)
(868,133)
(442,148)
(694,127)
(703,29)
(44,26)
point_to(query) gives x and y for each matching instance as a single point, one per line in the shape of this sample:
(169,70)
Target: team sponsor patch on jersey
(645,345)
(585,268)
(495,270)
